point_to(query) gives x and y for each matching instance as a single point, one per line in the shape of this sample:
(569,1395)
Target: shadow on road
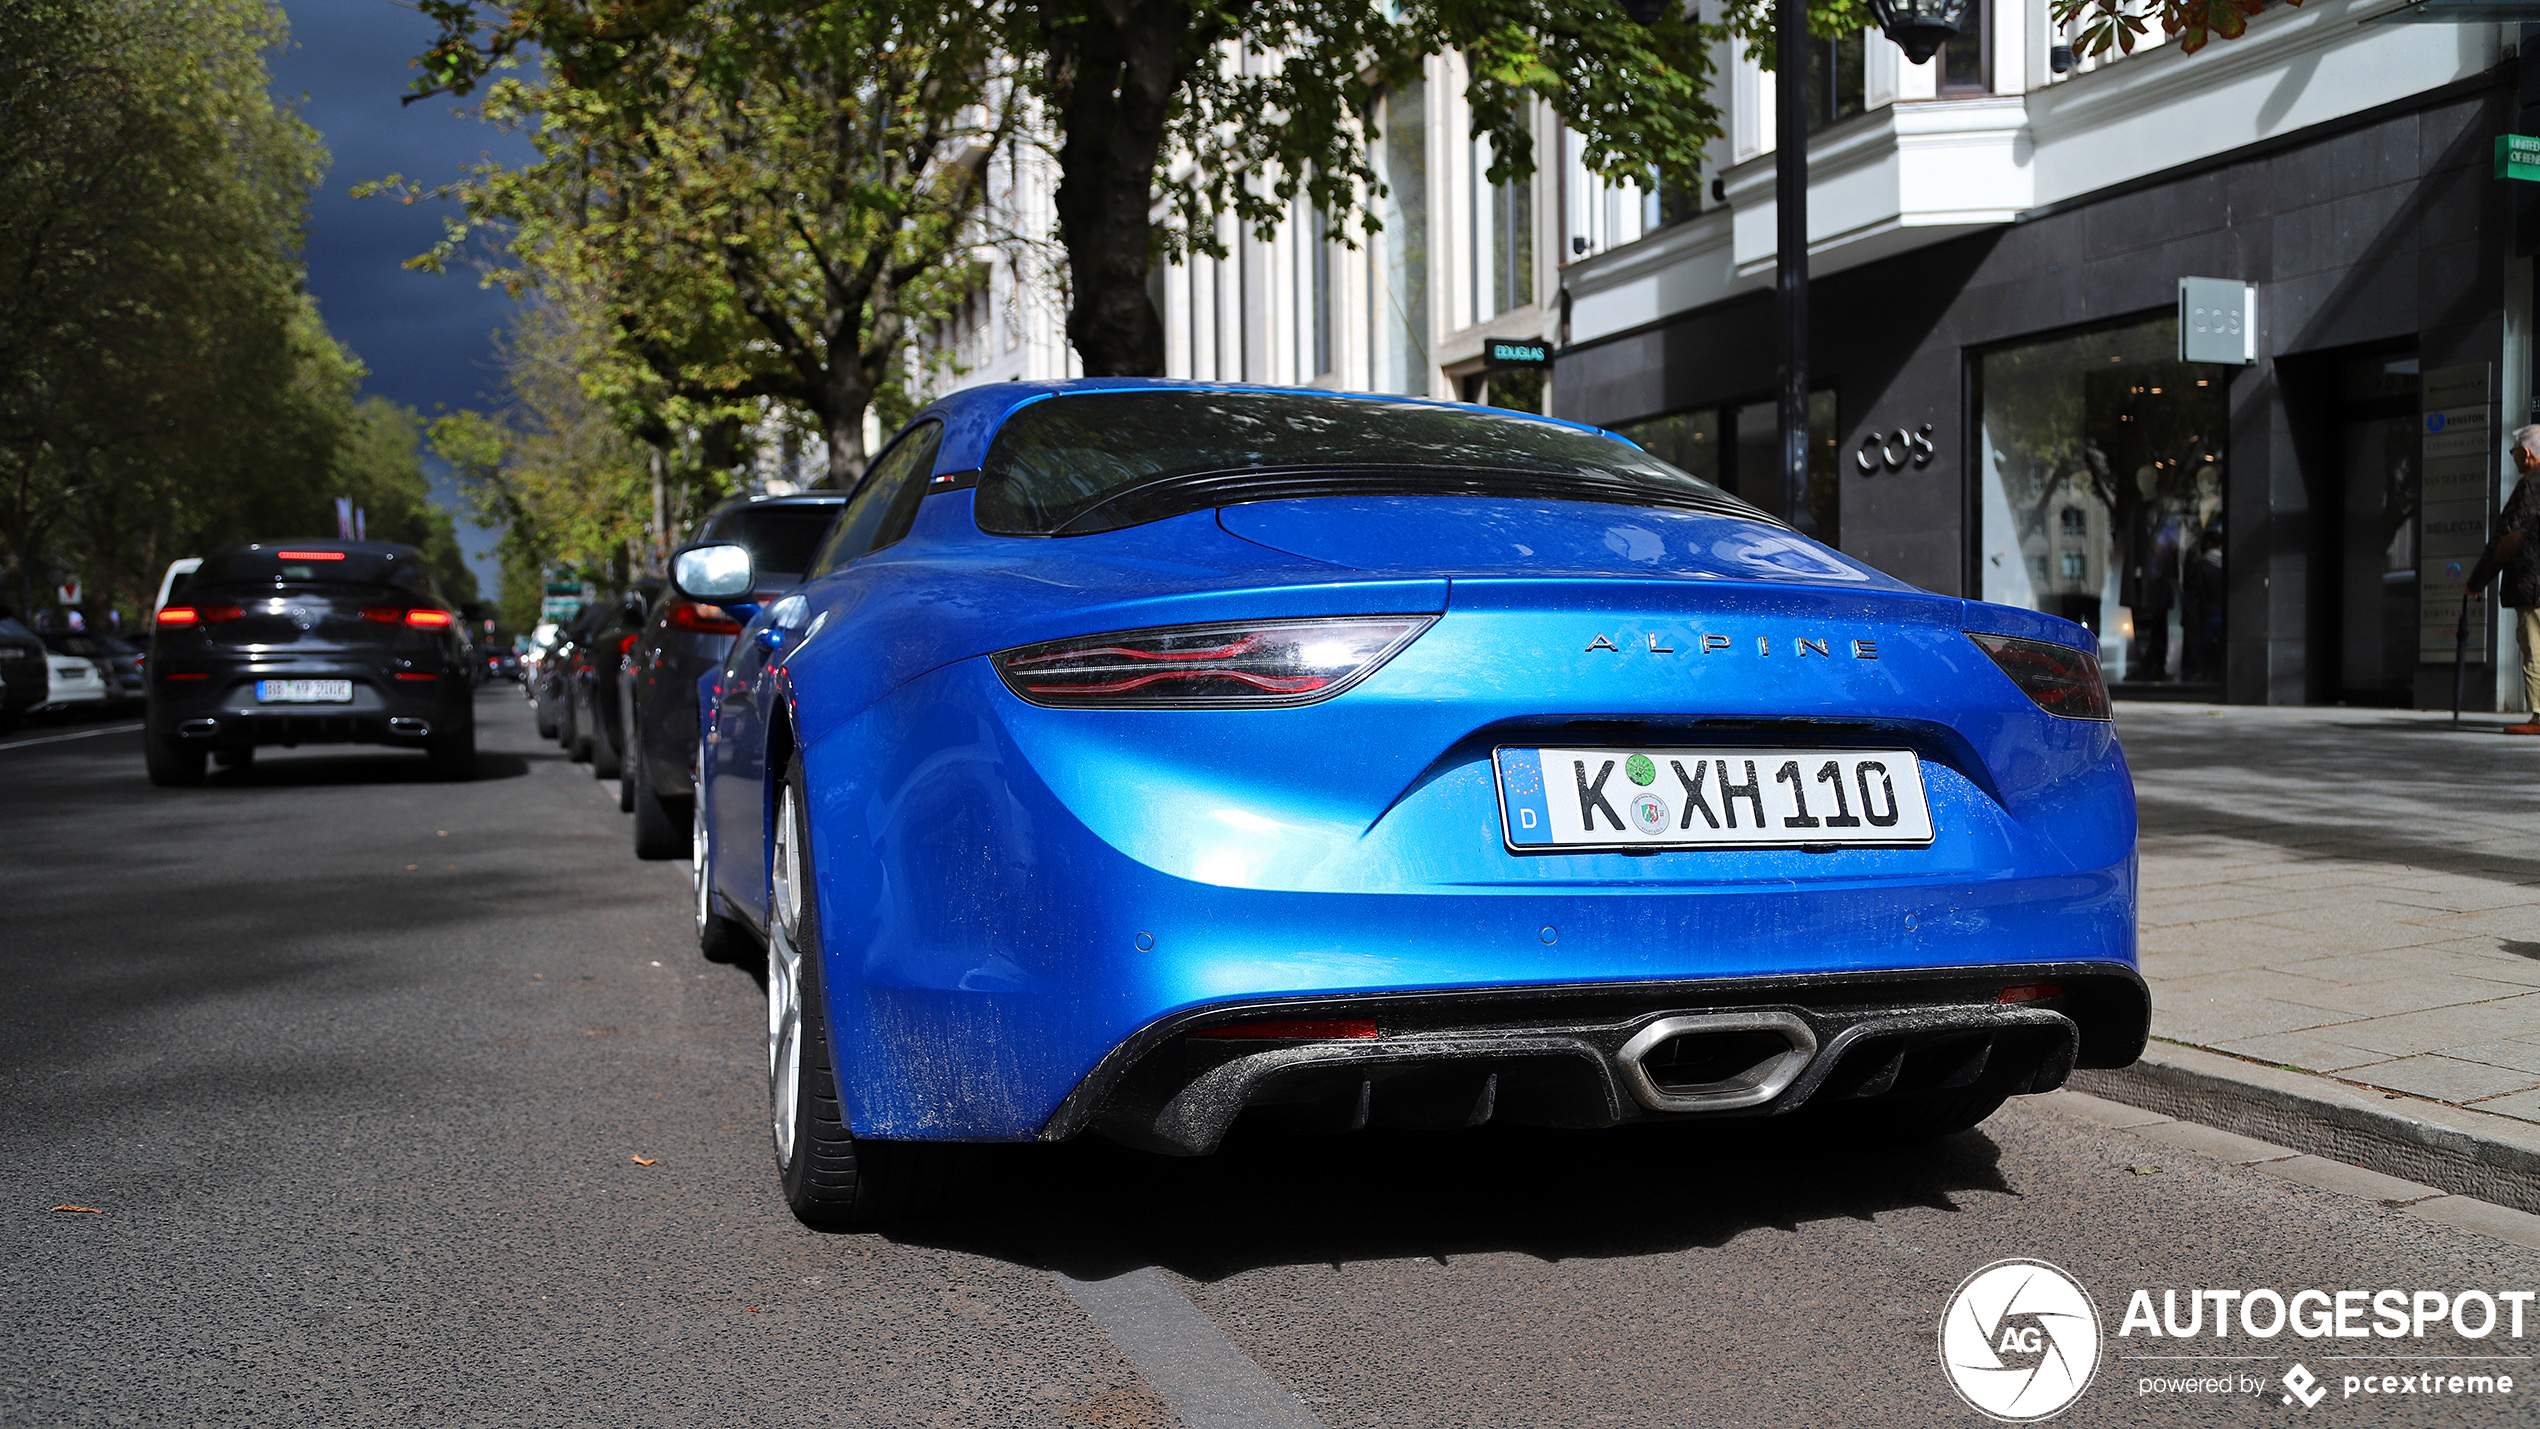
(283,769)
(1092,1210)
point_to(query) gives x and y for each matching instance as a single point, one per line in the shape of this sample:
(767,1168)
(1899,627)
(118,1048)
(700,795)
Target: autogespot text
(2460,1317)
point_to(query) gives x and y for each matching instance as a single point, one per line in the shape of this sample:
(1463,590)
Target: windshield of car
(315,565)
(778,538)
(1098,461)
(10,627)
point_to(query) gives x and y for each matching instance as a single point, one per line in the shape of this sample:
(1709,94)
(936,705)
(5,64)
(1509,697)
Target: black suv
(309,642)
(25,680)
(684,640)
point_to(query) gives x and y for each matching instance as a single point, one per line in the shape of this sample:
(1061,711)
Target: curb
(2456,1149)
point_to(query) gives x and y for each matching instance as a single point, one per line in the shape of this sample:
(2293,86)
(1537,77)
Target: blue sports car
(1140,756)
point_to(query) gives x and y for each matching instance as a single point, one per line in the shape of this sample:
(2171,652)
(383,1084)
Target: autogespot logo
(2019,1340)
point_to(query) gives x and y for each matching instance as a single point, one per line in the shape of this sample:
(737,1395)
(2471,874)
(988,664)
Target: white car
(75,680)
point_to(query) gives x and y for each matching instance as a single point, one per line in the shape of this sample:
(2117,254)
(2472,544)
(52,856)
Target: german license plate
(1710,798)
(304,692)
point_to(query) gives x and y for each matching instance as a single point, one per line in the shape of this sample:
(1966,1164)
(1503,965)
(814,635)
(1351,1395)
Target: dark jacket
(2520,586)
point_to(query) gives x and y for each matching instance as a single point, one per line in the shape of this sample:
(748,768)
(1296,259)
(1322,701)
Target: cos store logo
(1895,451)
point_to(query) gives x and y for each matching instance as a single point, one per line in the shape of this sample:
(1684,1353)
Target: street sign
(1516,352)
(2217,321)
(2518,157)
(2459,460)
(68,591)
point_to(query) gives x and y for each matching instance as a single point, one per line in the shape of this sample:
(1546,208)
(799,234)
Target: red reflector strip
(2030,992)
(1351,1027)
(410,675)
(215,614)
(183,675)
(308,555)
(384,614)
(177,615)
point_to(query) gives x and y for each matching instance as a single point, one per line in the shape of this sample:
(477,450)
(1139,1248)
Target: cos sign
(1894,451)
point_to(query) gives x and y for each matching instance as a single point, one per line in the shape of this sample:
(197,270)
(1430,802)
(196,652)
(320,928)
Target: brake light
(2030,992)
(1256,664)
(626,643)
(1339,1029)
(702,618)
(308,555)
(428,619)
(2062,680)
(177,615)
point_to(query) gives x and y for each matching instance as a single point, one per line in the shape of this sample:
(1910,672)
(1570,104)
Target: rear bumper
(1600,1056)
(226,713)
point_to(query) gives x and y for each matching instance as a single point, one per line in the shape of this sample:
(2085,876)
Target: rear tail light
(1339,1029)
(2064,681)
(702,618)
(199,615)
(308,555)
(425,619)
(1255,664)
(626,643)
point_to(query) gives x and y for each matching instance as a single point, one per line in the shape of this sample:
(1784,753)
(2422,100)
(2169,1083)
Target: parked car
(117,657)
(73,682)
(1138,757)
(308,642)
(502,663)
(25,676)
(685,639)
(549,691)
(599,658)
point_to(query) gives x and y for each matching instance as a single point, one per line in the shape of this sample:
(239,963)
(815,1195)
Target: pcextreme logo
(2019,1341)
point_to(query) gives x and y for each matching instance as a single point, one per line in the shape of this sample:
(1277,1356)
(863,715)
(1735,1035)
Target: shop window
(1518,389)
(1398,255)
(1503,240)
(1739,448)
(2107,430)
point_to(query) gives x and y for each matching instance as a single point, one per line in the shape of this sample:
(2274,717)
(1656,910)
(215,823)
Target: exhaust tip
(1716,1061)
(408,726)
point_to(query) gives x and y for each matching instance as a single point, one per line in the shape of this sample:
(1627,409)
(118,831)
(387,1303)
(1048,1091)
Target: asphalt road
(411,1103)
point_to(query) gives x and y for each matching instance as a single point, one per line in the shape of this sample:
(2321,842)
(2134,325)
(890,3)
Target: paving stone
(2502,1222)
(2520,1054)
(2348,1180)
(2222,1145)
(2208,1025)
(2445,1079)
(2309,1051)
(2521,1106)
(2392,996)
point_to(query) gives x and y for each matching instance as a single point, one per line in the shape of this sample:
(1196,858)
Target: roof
(972,415)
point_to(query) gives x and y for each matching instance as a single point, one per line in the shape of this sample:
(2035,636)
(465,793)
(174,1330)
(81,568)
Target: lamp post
(1920,28)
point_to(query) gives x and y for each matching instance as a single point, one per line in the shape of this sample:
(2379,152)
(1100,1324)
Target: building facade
(1997,240)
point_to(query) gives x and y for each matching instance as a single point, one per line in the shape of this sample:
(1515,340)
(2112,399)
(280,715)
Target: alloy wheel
(699,866)
(784,979)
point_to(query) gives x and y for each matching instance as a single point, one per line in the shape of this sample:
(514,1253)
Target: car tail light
(2064,681)
(1256,664)
(178,615)
(2031,992)
(702,618)
(414,675)
(626,643)
(1340,1029)
(308,555)
(428,619)
(199,615)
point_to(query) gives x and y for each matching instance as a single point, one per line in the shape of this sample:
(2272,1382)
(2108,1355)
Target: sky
(427,338)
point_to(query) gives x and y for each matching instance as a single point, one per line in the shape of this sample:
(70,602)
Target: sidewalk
(2341,927)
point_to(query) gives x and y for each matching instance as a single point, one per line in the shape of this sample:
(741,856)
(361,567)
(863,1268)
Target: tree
(2100,26)
(1268,100)
(763,196)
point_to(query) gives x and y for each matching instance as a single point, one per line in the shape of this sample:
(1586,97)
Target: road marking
(82,734)
(1184,1356)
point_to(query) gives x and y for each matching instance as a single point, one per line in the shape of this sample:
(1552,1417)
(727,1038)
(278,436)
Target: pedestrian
(2515,557)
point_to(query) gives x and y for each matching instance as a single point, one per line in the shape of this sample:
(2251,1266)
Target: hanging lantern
(1921,27)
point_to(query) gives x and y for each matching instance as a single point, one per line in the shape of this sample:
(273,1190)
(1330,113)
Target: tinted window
(779,538)
(1101,460)
(885,503)
(296,565)
(9,626)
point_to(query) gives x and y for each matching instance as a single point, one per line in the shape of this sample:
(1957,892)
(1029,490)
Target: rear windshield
(298,565)
(778,538)
(1098,461)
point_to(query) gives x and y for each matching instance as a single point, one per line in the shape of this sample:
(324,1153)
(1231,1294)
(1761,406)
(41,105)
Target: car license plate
(1710,798)
(304,692)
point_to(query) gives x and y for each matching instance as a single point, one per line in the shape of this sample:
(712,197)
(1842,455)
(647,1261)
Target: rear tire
(605,763)
(830,1177)
(661,831)
(454,755)
(719,939)
(171,765)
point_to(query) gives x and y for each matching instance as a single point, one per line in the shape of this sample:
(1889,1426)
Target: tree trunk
(1115,66)
(843,414)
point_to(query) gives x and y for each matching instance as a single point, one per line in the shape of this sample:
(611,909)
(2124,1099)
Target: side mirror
(716,575)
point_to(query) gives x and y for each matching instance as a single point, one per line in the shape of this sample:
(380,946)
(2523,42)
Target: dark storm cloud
(427,338)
